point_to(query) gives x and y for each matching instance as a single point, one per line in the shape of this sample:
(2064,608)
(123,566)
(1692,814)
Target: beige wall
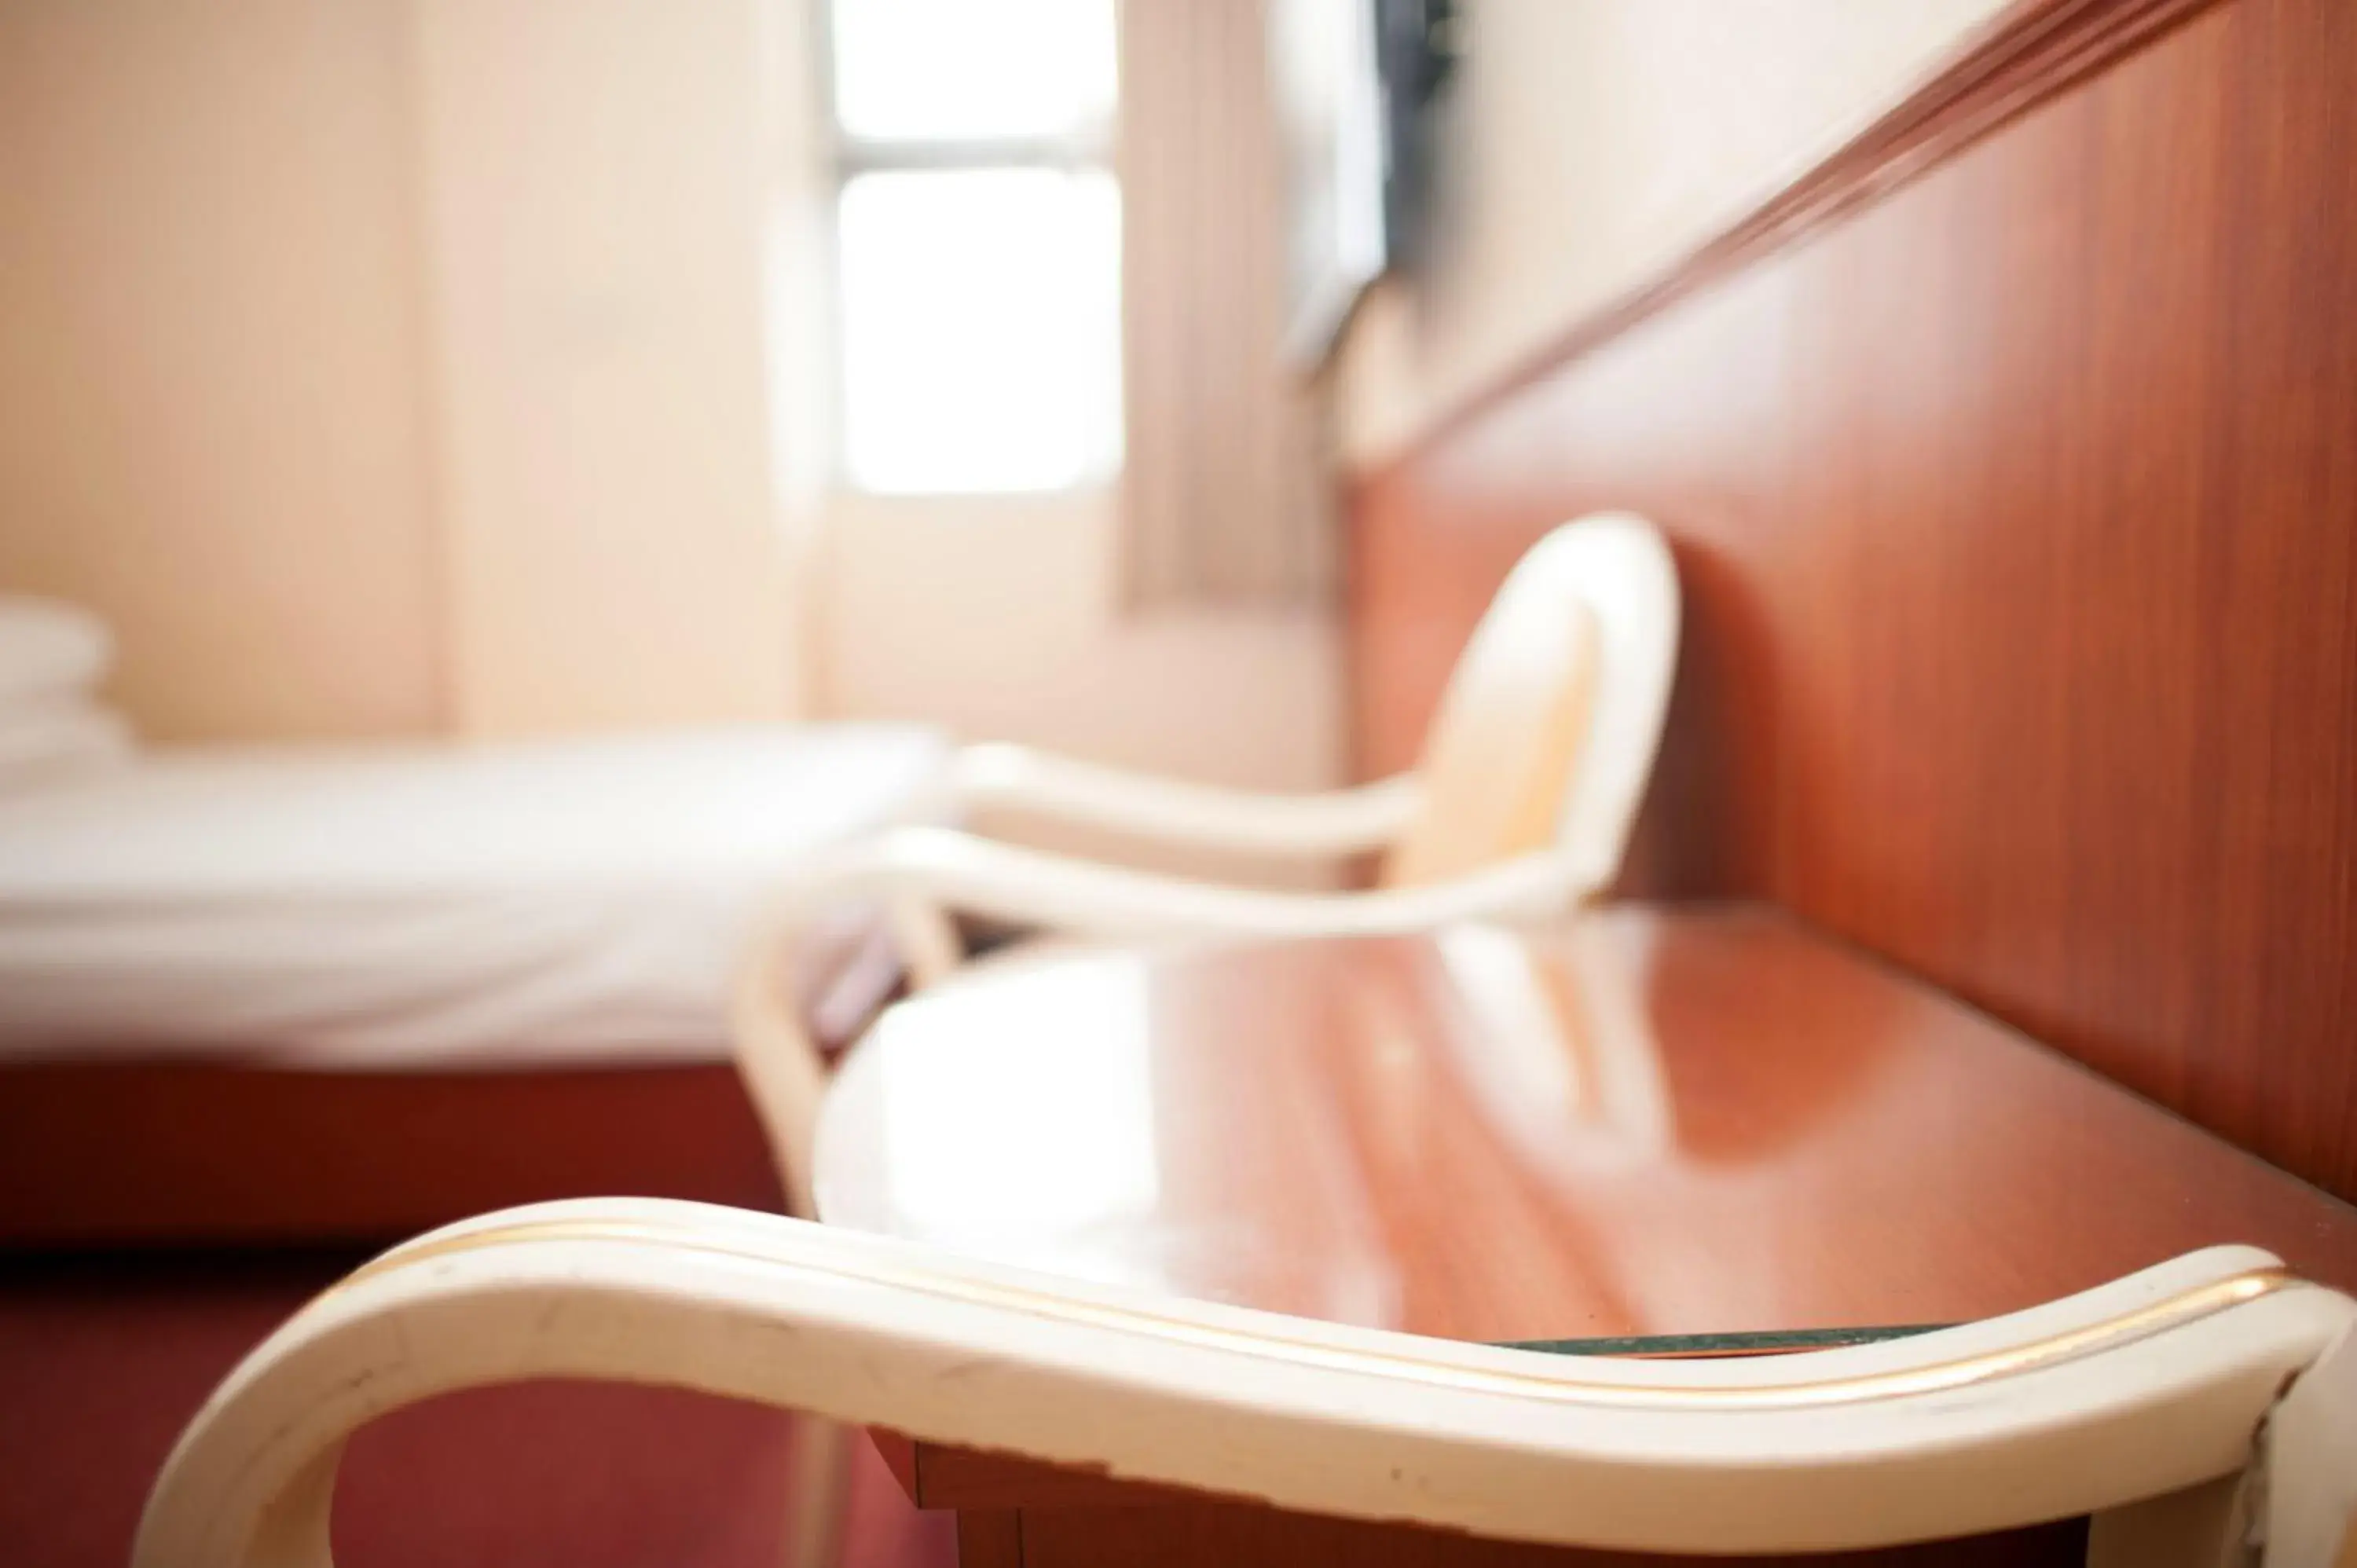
(393,366)
(1595,141)
(998,616)
(593,184)
(210,395)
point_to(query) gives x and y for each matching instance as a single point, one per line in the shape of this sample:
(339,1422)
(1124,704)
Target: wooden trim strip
(2027,54)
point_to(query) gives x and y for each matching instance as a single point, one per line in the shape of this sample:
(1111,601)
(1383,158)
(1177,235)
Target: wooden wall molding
(2016,514)
(2023,56)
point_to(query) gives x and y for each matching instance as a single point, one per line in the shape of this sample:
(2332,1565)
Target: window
(979,235)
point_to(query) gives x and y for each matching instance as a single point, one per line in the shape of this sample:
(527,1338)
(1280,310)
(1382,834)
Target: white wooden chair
(2205,1411)
(1519,808)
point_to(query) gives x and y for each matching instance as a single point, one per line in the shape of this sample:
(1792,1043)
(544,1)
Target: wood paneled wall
(2012,469)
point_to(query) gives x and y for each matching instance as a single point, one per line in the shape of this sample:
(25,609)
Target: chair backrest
(1546,734)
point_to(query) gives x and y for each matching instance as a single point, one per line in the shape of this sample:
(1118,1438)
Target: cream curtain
(1225,489)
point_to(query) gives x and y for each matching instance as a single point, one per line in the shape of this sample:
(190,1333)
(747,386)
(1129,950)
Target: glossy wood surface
(1651,1122)
(2017,513)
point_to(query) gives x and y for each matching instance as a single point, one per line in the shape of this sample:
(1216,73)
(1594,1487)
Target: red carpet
(100,1362)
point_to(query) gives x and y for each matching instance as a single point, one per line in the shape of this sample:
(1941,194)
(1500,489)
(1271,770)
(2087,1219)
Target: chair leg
(928,939)
(785,1074)
(818,1493)
(2308,1451)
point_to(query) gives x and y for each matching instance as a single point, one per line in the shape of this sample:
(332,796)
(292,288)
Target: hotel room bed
(319,995)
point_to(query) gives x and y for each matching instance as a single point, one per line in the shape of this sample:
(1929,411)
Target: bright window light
(981,328)
(958,70)
(978,233)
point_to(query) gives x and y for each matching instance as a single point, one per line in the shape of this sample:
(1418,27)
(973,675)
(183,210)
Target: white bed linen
(50,650)
(56,739)
(447,907)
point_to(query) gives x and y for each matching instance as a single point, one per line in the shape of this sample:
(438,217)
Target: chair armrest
(2142,1387)
(917,873)
(961,871)
(1338,822)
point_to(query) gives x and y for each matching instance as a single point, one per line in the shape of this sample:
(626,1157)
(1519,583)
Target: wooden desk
(1648,1124)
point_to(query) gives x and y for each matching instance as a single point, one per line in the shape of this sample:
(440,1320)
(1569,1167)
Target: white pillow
(49,649)
(60,739)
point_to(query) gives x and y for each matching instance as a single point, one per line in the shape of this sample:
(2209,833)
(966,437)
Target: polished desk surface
(1649,1122)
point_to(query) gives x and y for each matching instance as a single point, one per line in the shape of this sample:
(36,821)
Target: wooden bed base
(147,1153)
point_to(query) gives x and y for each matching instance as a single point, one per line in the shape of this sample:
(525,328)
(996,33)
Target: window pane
(942,69)
(981,328)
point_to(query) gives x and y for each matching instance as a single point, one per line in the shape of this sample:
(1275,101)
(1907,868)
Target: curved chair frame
(1611,574)
(1569,672)
(1589,612)
(2134,1390)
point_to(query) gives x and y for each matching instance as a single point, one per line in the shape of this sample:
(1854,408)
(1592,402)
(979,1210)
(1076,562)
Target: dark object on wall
(1415,49)
(1358,86)
(2008,459)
